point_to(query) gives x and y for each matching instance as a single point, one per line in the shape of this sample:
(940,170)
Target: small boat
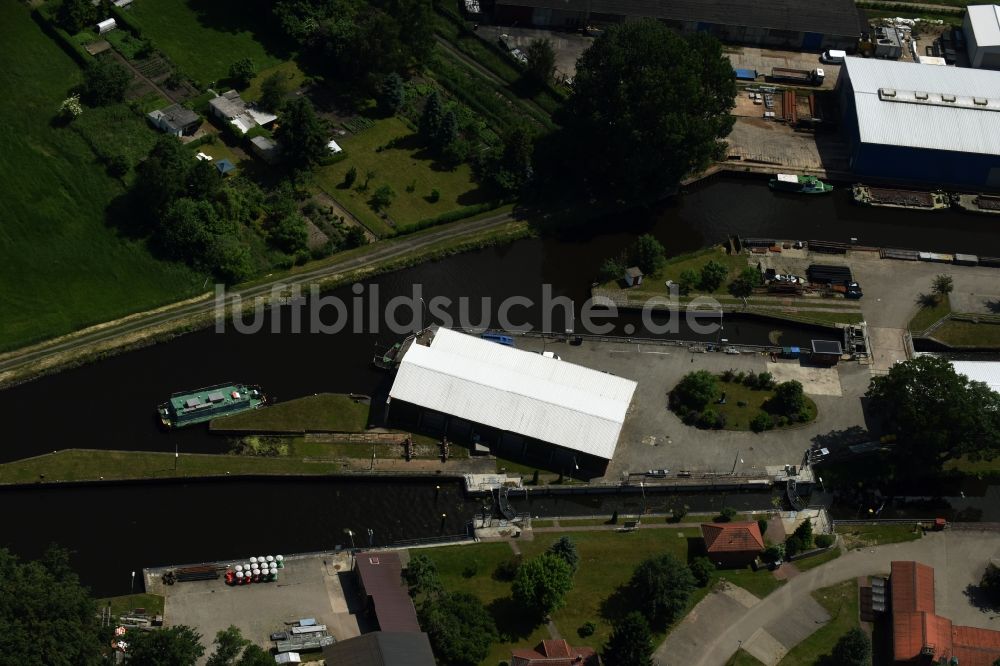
(788,182)
(977,203)
(885,197)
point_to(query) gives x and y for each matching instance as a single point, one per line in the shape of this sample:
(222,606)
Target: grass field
(607,560)
(205,37)
(323,412)
(292,75)
(653,285)
(968,334)
(91,465)
(841,602)
(860,536)
(927,315)
(973,467)
(818,560)
(152,604)
(738,418)
(744,658)
(63,267)
(399,167)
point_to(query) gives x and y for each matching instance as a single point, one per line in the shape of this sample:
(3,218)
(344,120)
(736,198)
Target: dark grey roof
(381,648)
(829,17)
(827,347)
(179,116)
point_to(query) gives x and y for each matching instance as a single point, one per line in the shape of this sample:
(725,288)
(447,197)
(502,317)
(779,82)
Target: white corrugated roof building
(982,35)
(516,391)
(924,106)
(987,372)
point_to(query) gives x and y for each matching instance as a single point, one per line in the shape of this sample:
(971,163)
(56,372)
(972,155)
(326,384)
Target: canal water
(110,404)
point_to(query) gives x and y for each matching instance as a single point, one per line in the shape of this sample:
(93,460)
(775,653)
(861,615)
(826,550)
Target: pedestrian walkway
(718,626)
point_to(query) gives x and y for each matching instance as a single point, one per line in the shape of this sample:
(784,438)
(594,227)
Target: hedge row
(450,216)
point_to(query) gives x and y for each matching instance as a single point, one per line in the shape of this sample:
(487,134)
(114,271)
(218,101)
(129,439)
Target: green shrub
(702,569)
(726,515)
(708,419)
(587,629)
(761,422)
(825,540)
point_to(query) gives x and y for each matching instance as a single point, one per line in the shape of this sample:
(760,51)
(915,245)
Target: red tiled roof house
(554,653)
(920,635)
(732,544)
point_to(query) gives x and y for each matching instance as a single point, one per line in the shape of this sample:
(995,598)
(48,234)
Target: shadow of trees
(513,622)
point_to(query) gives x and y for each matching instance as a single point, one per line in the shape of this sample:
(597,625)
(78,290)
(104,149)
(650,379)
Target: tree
(382,197)
(186,229)
(990,583)
(510,167)
(460,629)
(70,108)
(421,576)
(541,584)
(662,585)
(173,646)
(611,268)
(350,177)
(288,232)
(943,285)
(447,133)
(541,61)
(788,399)
(228,259)
(104,82)
(355,237)
(565,549)
(853,649)
(804,533)
(702,570)
(430,118)
(687,281)
(242,72)
(630,643)
(936,414)
(234,650)
(696,390)
(46,615)
(648,254)
(391,93)
(301,134)
(713,274)
(745,282)
(74,15)
(726,515)
(272,92)
(653,107)
(163,175)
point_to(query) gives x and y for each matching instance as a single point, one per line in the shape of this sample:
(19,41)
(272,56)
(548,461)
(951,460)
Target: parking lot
(568,46)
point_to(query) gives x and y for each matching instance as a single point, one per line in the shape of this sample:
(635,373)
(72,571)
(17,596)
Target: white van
(833,57)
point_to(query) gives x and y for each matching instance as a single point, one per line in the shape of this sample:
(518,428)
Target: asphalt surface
(385,251)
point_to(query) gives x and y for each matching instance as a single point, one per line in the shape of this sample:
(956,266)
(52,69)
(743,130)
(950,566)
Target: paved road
(383,252)
(709,639)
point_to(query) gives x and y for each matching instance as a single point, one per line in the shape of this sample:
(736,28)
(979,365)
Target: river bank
(164,324)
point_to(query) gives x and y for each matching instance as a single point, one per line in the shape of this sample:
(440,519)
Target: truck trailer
(800,76)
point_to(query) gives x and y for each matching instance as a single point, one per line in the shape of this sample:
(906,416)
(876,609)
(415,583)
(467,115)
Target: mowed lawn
(63,267)
(205,37)
(607,560)
(399,167)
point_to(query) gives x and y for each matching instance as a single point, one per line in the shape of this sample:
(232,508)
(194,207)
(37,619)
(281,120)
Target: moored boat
(200,405)
(788,182)
(977,203)
(887,197)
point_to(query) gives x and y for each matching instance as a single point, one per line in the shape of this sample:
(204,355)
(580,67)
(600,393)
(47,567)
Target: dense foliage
(663,585)
(421,576)
(357,42)
(936,414)
(46,615)
(801,539)
(104,82)
(648,107)
(74,15)
(541,61)
(696,390)
(630,643)
(459,627)
(301,134)
(541,584)
(231,649)
(853,649)
(170,646)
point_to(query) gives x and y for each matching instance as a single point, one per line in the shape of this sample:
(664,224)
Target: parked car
(658,473)
(519,56)
(553,355)
(833,57)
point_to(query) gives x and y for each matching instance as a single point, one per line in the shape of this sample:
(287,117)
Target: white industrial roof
(985,22)
(926,106)
(987,372)
(516,391)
